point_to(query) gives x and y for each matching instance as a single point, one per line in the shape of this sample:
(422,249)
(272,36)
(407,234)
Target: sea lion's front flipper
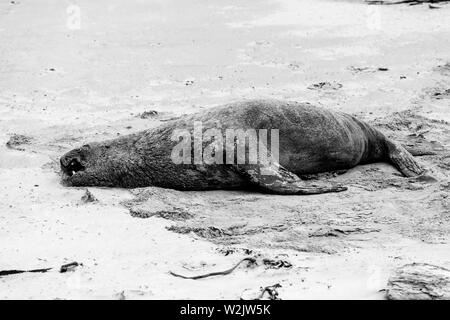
(273,178)
(403,160)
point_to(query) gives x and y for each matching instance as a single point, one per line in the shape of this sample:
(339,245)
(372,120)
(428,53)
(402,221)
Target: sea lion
(311,140)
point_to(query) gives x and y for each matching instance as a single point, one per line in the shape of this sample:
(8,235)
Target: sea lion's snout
(74,161)
(71,165)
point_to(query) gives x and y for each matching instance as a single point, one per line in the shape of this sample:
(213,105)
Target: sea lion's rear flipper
(403,160)
(273,178)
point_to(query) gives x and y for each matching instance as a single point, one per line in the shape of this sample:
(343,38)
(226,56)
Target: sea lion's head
(107,164)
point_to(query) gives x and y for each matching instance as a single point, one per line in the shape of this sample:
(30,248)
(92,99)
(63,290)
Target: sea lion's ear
(275,179)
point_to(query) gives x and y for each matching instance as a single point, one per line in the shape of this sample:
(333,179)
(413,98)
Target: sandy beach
(72,72)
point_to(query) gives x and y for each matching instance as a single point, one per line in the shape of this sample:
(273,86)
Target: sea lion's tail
(403,160)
